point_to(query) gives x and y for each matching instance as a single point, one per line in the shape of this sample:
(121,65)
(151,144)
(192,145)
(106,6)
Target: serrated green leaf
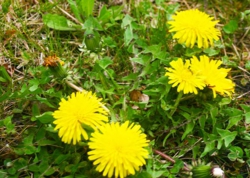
(227,136)
(74,8)
(87,7)
(177,166)
(104,15)
(234,121)
(156,51)
(126,21)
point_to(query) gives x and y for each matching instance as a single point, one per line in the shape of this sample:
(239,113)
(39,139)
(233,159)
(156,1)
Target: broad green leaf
(235,153)
(177,166)
(87,6)
(139,60)
(227,136)
(26,150)
(20,163)
(11,171)
(28,140)
(209,147)
(45,118)
(211,51)
(245,107)
(108,41)
(58,22)
(219,144)
(104,15)
(44,166)
(61,158)
(247,65)
(232,112)
(130,77)
(126,21)
(50,171)
(156,51)
(105,62)
(231,26)
(225,101)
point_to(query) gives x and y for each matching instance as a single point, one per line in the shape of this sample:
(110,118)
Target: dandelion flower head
(52,61)
(80,108)
(118,149)
(181,75)
(193,26)
(215,77)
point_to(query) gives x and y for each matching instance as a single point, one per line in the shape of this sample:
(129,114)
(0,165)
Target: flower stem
(186,168)
(177,101)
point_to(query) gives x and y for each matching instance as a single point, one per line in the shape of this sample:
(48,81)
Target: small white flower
(9,164)
(217,172)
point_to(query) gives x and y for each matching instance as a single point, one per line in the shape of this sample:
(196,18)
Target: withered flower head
(52,61)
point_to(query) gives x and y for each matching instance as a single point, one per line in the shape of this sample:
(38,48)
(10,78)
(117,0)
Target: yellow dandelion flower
(215,77)
(193,26)
(80,108)
(118,149)
(187,81)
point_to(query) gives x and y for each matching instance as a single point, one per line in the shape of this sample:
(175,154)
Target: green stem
(177,101)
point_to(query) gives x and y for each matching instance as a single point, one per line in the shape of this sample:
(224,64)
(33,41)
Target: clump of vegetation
(124,89)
